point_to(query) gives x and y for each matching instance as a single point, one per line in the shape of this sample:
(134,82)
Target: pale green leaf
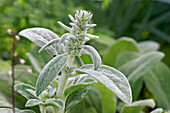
(8,110)
(135,68)
(33,102)
(121,45)
(112,79)
(76,97)
(157,81)
(54,102)
(157,110)
(94,54)
(40,36)
(49,72)
(138,106)
(22,89)
(78,81)
(148,46)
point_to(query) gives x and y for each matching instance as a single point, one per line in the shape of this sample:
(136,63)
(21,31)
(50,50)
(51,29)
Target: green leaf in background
(49,72)
(5,66)
(76,82)
(125,57)
(135,68)
(90,110)
(108,100)
(112,79)
(40,36)
(138,106)
(4,102)
(121,45)
(148,46)
(157,81)
(157,110)
(34,62)
(86,59)
(8,110)
(22,89)
(94,54)
(76,97)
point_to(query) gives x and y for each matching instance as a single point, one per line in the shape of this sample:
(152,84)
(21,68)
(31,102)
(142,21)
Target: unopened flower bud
(9,73)
(29,70)
(17,37)
(15,54)
(22,61)
(9,31)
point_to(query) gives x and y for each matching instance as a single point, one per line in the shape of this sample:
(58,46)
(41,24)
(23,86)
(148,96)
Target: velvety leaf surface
(22,89)
(76,97)
(8,110)
(94,54)
(138,106)
(76,82)
(135,68)
(54,102)
(40,36)
(49,72)
(112,79)
(33,102)
(157,110)
(121,45)
(158,82)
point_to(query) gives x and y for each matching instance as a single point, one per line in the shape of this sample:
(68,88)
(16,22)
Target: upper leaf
(33,102)
(40,36)
(22,89)
(94,54)
(112,79)
(54,102)
(49,72)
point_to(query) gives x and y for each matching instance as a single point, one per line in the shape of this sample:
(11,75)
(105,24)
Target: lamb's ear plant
(64,80)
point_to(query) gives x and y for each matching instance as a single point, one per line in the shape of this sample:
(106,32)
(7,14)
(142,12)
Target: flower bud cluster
(78,33)
(69,69)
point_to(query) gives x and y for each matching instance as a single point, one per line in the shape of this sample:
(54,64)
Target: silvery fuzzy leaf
(22,89)
(138,106)
(76,82)
(40,36)
(64,26)
(148,46)
(54,102)
(91,36)
(157,110)
(48,44)
(93,53)
(33,102)
(66,36)
(49,72)
(8,110)
(112,79)
(72,18)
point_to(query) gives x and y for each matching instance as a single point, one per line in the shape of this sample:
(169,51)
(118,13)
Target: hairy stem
(62,83)
(43,108)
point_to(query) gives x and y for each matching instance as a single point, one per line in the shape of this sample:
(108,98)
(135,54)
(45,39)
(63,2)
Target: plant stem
(62,83)
(13,68)
(43,108)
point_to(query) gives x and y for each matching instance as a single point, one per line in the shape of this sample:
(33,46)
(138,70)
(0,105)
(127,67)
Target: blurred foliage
(141,19)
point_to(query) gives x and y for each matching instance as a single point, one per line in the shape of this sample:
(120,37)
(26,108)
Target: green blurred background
(139,19)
